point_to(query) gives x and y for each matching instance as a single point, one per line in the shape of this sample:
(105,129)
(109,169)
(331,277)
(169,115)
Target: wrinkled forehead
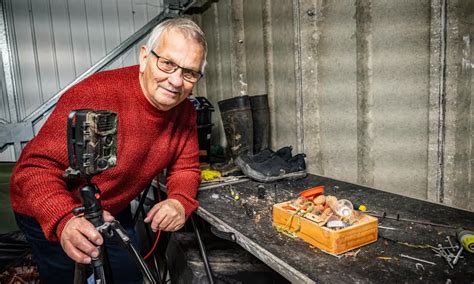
(186,34)
(176,45)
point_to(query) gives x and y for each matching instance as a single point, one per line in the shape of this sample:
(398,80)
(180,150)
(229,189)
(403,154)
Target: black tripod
(92,210)
(92,148)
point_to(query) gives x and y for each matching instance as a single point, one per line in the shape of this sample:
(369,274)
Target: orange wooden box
(332,241)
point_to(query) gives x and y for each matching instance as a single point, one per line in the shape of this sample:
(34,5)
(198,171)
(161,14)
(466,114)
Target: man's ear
(143,57)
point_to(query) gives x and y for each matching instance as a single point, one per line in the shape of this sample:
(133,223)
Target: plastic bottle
(342,207)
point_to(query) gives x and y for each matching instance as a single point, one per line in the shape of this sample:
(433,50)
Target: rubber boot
(261,122)
(236,117)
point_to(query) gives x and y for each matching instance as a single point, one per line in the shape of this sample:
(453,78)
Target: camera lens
(108,140)
(102,164)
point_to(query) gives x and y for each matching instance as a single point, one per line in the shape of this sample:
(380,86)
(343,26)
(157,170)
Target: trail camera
(91,141)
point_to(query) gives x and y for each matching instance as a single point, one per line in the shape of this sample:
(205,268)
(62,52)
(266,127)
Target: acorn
(319,200)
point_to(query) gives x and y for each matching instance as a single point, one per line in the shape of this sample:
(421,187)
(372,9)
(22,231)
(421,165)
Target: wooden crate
(332,241)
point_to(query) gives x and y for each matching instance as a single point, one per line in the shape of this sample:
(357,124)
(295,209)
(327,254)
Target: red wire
(157,237)
(154,245)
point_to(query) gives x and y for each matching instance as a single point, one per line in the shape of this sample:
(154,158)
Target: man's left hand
(168,215)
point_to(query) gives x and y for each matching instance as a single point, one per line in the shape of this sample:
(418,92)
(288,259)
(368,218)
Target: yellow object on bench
(210,175)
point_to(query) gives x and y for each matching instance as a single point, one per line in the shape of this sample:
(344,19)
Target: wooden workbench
(248,222)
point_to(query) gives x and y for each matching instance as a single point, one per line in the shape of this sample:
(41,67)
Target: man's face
(161,89)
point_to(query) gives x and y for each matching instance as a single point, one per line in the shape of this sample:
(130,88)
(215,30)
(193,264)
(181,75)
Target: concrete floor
(7,221)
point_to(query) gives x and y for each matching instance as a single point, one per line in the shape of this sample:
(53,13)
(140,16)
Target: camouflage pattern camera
(92,141)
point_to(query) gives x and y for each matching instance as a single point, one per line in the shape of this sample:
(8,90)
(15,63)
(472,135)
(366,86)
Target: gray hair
(186,26)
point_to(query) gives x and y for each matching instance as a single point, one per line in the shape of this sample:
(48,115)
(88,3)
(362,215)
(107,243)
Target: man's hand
(168,215)
(80,238)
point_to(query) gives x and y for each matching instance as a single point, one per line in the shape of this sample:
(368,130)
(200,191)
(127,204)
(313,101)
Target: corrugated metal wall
(54,41)
(376,93)
(372,91)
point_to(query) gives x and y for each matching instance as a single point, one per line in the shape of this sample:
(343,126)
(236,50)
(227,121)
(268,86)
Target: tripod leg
(202,249)
(121,235)
(101,267)
(100,275)
(100,270)
(80,273)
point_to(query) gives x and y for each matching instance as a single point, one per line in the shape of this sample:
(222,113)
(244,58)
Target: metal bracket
(178,5)
(17,132)
(222,234)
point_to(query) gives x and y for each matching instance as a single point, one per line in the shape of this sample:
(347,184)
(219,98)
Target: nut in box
(325,222)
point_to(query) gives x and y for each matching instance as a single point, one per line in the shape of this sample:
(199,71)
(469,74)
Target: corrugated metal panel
(54,41)
(458,155)
(400,83)
(335,87)
(51,42)
(8,110)
(357,85)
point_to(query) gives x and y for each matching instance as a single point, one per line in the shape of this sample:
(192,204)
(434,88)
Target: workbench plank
(249,218)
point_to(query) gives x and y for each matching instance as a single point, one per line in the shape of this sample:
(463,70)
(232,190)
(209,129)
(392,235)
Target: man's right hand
(80,238)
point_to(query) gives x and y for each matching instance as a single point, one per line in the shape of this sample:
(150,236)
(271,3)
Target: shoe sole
(227,168)
(239,162)
(251,173)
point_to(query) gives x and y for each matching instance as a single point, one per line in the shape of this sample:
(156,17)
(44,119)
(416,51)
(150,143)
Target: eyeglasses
(170,67)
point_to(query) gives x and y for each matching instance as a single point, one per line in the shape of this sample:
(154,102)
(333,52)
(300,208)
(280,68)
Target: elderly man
(157,130)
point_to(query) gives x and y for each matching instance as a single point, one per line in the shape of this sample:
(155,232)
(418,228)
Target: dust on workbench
(251,214)
(254,202)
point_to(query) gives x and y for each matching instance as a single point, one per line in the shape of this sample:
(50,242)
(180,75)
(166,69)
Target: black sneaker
(244,160)
(277,168)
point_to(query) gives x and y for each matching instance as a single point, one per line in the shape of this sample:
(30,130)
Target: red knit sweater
(148,140)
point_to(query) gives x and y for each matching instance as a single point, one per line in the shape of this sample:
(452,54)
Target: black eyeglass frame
(177,67)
